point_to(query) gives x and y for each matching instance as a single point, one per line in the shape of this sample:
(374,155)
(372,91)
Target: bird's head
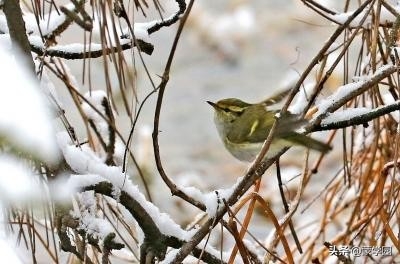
(227,110)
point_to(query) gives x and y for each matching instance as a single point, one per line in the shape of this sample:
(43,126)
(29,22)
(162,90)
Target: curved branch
(168,181)
(169,21)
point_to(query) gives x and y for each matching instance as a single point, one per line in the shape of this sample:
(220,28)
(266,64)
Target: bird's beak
(212,104)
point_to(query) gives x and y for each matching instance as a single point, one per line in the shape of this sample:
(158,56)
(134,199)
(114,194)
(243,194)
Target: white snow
(344,115)
(90,219)
(7,252)
(3,24)
(189,259)
(385,16)
(338,95)
(387,100)
(73,47)
(48,23)
(347,89)
(25,120)
(343,17)
(212,200)
(301,99)
(5,42)
(97,227)
(139,29)
(76,47)
(95,98)
(36,41)
(91,170)
(17,182)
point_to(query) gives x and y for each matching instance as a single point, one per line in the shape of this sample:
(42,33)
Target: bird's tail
(303,140)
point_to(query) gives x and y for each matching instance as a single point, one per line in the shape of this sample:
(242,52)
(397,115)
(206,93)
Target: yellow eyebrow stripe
(235,109)
(253,127)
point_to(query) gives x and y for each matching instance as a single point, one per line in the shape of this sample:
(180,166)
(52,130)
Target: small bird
(243,128)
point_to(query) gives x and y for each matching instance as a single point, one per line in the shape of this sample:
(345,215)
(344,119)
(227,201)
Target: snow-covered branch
(354,116)
(351,90)
(80,51)
(155,242)
(54,23)
(160,231)
(157,25)
(387,16)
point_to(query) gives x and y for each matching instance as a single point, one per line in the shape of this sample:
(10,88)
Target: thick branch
(146,223)
(155,242)
(16,27)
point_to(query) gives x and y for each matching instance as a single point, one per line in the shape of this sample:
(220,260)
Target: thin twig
(162,86)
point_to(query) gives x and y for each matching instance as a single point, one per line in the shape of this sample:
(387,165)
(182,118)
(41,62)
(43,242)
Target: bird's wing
(255,123)
(276,98)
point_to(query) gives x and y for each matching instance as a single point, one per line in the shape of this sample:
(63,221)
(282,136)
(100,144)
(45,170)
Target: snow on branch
(92,174)
(170,20)
(54,23)
(155,241)
(328,117)
(349,91)
(355,116)
(81,51)
(212,200)
(387,16)
(85,163)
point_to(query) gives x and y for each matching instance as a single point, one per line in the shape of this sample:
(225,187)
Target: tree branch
(359,120)
(167,22)
(168,181)
(94,53)
(155,242)
(335,103)
(17,31)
